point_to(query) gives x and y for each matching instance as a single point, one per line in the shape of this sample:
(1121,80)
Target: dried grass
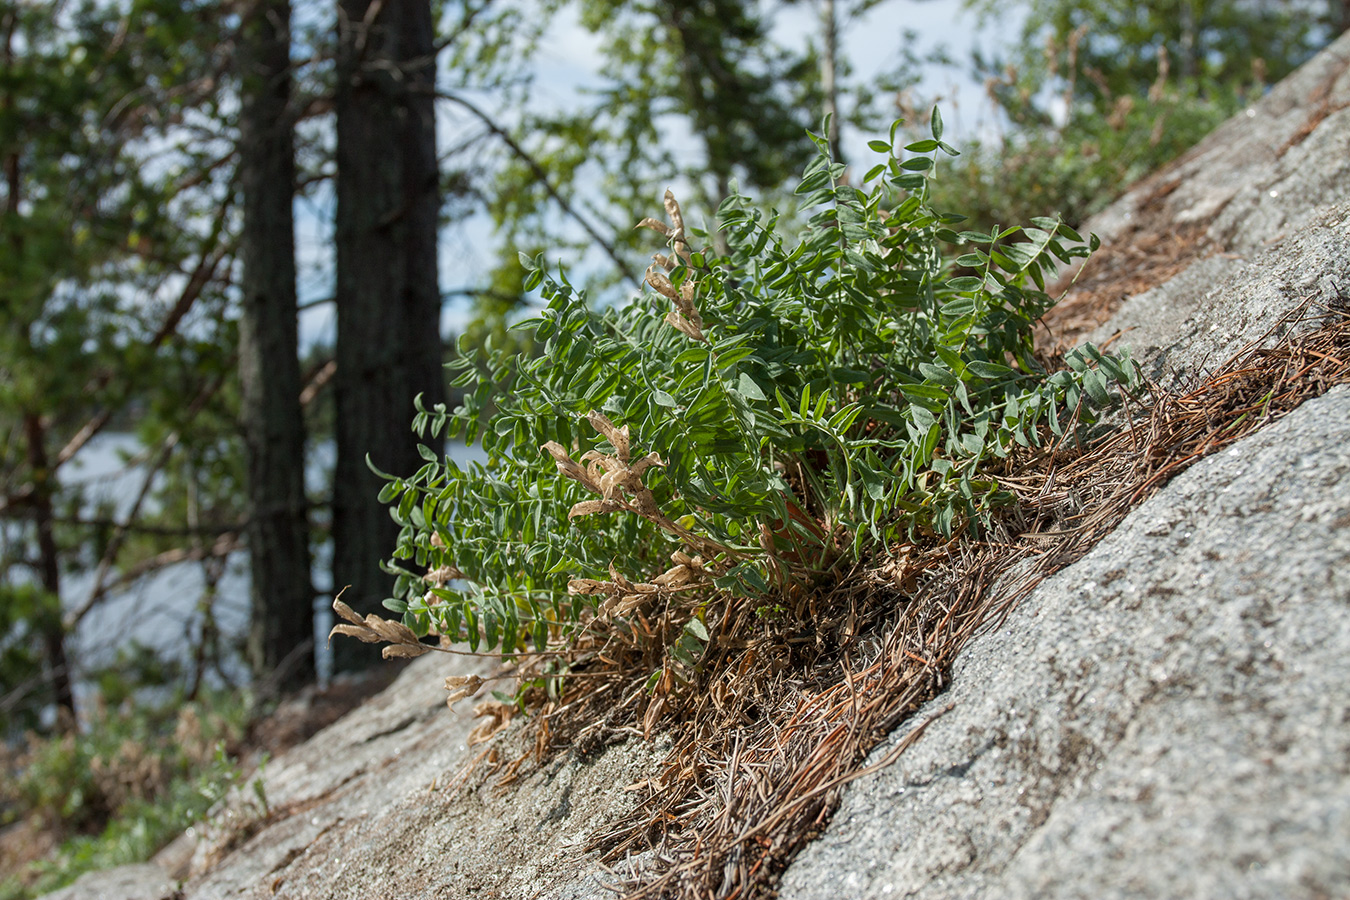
(786,708)
(1147,256)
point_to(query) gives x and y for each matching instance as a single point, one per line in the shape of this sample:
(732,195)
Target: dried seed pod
(629,603)
(675,577)
(685,326)
(662,284)
(439,576)
(618,437)
(566,466)
(593,507)
(346,611)
(360,632)
(404,651)
(588,586)
(659,227)
(461,686)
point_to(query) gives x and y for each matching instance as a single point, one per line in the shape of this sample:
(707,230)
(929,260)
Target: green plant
(798,405)
(1096,96)
(117,791)
(1079,166)
(26,613)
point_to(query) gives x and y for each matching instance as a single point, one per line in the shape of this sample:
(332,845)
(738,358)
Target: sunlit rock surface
(1165,718)
(1169,717)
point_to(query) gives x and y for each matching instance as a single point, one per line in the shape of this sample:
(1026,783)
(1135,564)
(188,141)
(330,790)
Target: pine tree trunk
(269,366)
(388,302)
(51,628)
(53,631)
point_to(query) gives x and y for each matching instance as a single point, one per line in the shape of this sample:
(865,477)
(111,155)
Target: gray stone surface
(377,805)
(1165,718)
(146,881)
(1256,177)
(1194,321)
(1271,189)
(1169,717)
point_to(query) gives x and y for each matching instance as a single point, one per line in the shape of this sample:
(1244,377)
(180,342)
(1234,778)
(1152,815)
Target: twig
(539,172)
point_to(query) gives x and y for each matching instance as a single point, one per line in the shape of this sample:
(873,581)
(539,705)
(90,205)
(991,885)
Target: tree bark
(388,302)
(282,595)
(53,632)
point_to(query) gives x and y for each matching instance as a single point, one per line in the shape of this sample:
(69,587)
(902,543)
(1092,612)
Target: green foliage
(1079,169)
(698,94)
(713,65)
(800,404)
(26,612)
(1119,48)
(1099,95)
(123,787)
(114,215)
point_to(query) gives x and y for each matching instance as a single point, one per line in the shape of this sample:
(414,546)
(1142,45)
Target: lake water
(167,611)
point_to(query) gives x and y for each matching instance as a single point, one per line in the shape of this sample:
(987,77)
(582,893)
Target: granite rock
(1168,717)
(145,881)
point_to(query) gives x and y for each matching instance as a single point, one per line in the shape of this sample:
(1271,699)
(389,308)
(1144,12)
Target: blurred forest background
(183,475)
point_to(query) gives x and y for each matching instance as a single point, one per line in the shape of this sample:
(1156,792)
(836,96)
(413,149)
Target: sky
(568,62)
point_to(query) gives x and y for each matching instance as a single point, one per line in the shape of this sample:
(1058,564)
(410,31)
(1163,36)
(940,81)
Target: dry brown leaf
(404,651)
(653,715)
(500,713)
(593,507)
(360,632)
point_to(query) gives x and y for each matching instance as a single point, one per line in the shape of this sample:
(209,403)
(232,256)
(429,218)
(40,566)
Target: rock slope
(1206,254)
(1170,716)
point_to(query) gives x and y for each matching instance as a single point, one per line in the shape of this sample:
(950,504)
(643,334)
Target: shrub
(762,416)
(118,790)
